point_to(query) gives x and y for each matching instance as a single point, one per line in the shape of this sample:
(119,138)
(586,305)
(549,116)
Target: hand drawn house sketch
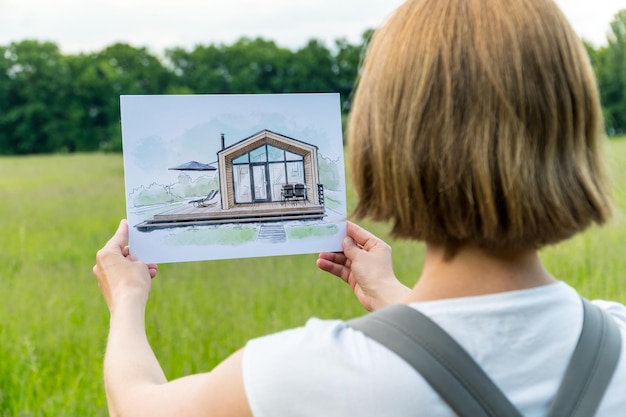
(277,190)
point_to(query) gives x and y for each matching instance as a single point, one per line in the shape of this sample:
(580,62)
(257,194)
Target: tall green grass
(595,261)
(57,211)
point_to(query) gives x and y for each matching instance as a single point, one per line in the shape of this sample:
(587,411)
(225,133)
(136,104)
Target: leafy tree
(118,70)
(55,103)
(201,70)
(92,99)
(615,89)
(257,65)
(347,62)
(260,66)
(312,69)
(34,93)
(610,67)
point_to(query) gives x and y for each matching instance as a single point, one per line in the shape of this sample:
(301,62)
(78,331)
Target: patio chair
(206,201)
(299,192)
(287,193)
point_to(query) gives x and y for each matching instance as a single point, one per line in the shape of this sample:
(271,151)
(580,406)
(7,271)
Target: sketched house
(264,177)
(257,169)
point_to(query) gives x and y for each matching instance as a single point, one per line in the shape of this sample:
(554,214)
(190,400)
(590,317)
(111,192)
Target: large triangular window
(259,175)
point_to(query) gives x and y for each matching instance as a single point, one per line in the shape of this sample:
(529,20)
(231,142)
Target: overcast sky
(91,25)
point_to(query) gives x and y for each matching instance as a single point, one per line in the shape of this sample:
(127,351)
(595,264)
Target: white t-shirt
(522,339)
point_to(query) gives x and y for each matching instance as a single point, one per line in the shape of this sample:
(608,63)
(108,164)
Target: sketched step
(272,233)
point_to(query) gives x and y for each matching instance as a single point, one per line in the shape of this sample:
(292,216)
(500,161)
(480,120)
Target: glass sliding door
(241,179)
(277,179)
(259,180)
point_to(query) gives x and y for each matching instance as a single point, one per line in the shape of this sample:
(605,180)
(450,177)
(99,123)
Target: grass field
(56,212)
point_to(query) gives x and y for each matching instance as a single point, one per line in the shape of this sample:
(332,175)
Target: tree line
(52,102)
(609,63)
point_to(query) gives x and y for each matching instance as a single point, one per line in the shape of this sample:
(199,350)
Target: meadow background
(57,211)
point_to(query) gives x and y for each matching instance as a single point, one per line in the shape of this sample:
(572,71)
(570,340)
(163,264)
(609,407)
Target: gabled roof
(264,134)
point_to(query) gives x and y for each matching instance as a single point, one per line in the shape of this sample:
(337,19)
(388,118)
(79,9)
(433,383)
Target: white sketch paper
(233,176)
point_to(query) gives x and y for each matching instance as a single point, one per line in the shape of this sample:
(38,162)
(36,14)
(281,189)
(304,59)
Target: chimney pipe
(223,145)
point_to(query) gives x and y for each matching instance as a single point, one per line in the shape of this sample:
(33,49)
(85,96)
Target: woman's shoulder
(318,339)
(320,369)
(614,309)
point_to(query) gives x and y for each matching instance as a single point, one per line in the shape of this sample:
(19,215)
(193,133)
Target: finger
(350,248)
(336,257)
(360,236)
(153,269)
(338,270)
(119,239)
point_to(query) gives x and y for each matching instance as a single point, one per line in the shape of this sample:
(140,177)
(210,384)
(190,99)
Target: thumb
(350,248)
(120,238)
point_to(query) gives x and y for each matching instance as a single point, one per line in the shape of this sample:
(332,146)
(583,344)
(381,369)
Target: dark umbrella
(194,166)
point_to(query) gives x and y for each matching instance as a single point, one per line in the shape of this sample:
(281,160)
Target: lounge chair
(206,201)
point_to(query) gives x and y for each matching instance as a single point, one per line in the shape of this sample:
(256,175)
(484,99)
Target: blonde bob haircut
(478,122)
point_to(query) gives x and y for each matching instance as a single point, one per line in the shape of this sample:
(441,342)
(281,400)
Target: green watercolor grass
(313,231)
(232,236)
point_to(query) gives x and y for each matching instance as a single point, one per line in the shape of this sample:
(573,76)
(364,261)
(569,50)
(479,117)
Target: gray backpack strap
(443,363)
(592,365)
(461,383)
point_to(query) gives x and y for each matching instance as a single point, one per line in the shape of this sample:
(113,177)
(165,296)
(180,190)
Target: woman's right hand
(120,274)
(366,265)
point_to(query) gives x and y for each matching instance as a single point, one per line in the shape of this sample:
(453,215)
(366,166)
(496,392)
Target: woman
(476,129)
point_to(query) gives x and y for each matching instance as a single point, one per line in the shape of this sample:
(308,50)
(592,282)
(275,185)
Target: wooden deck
(189,215)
